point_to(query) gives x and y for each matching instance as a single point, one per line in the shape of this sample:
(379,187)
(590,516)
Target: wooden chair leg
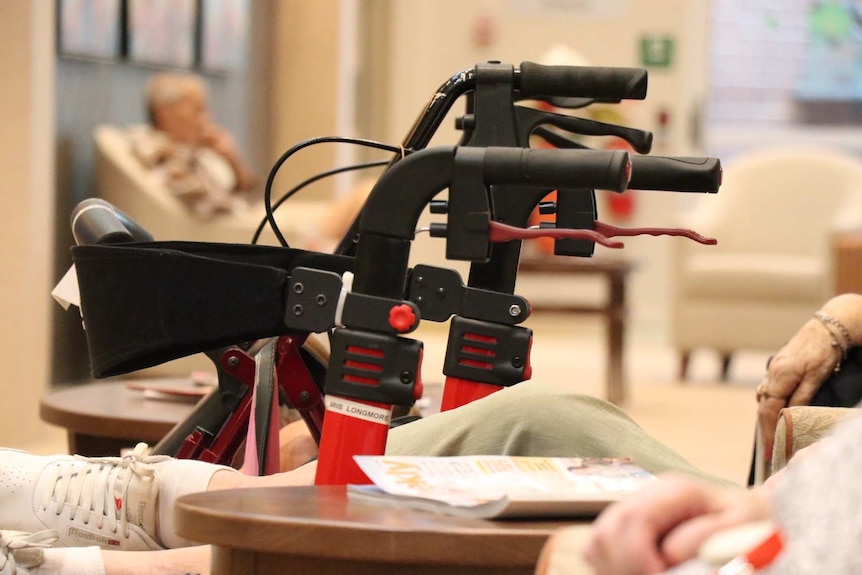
(684,358)
(725,365)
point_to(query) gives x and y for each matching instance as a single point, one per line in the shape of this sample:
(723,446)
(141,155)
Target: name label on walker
(358,410)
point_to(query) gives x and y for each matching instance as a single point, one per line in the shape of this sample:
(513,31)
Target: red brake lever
(610,231)
(505,233)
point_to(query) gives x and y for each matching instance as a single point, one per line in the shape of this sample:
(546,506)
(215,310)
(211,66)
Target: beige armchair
(773,218)
(127,184)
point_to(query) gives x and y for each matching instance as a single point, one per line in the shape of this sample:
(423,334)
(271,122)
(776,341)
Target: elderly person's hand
(221,142)
(794,375)
(797,371)
(665,524)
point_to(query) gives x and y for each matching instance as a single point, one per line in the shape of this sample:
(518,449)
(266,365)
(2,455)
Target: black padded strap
(147,303)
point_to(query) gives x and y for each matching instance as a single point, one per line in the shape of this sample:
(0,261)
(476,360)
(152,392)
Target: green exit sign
(656,51)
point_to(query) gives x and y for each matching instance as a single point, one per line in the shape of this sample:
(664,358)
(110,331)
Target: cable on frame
(267,197)
(291,192)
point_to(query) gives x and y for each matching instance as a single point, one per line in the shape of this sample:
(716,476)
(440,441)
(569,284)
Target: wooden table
(615,271)
(317,530)
(102,418)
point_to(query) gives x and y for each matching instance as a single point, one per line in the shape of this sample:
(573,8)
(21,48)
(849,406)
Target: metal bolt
(298,287)
(419,301)
(406,377)
(441,292)
(304,396)
(297,309)
(232,361)
(320,299)
(514,310)
(517,362)
(420,281)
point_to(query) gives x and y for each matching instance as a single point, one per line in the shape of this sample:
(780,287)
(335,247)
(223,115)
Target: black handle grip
(607,170)
(675,174)
(95,221)
(538,80)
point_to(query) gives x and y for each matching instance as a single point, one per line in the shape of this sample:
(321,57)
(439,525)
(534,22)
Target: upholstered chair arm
(800,426)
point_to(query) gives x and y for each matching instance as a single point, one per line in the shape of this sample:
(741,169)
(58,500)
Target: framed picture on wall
(162,32)
(224,29)
(89,28)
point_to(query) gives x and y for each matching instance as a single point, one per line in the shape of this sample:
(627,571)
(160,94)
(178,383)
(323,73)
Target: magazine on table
(499,486)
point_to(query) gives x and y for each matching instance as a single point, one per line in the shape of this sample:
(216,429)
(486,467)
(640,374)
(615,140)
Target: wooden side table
(615,271)
(318,530)
(102,418)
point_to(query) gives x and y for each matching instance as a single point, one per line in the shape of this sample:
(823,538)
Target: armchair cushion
(753,276)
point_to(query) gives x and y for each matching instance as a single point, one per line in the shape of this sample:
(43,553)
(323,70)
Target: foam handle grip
(607,170)
(675,174)
(606,83)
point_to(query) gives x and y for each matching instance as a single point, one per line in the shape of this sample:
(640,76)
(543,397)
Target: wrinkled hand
(794,375)
(220,141)
(665,524)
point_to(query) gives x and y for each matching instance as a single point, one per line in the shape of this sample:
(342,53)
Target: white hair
(168,87)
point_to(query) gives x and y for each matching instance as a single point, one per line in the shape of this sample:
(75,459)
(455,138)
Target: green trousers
(539,419)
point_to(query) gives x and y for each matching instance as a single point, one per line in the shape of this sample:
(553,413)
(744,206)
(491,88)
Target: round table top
(323,522)
(110,409)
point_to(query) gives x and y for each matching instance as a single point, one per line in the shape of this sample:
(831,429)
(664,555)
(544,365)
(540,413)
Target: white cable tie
(346,288)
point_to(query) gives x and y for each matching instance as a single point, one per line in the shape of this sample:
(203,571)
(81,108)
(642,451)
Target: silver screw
(298,287)
(514,310)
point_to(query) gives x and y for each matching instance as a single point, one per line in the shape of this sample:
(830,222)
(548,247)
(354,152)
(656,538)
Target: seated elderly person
(197,158)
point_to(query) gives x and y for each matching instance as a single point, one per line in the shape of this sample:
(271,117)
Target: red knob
(402,318)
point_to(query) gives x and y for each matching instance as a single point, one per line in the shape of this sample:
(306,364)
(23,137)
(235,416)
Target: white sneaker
(20,550)
(110,502)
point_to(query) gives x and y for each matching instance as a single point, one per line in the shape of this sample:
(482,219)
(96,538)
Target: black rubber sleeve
(675,174)
(581,169)
(538,80)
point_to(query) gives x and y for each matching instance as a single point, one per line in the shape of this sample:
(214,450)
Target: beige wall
(26,178)
(303,86)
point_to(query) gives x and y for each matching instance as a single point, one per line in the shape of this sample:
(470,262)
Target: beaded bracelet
(828,320)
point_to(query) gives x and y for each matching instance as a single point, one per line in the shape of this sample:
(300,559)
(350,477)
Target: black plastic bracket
(487,352)
(440,293)
(379,314)
(469,208)
(312,299)
(372,366)
(576,210)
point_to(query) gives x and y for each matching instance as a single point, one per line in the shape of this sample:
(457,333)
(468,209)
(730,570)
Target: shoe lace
(19,549)
(99,488)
